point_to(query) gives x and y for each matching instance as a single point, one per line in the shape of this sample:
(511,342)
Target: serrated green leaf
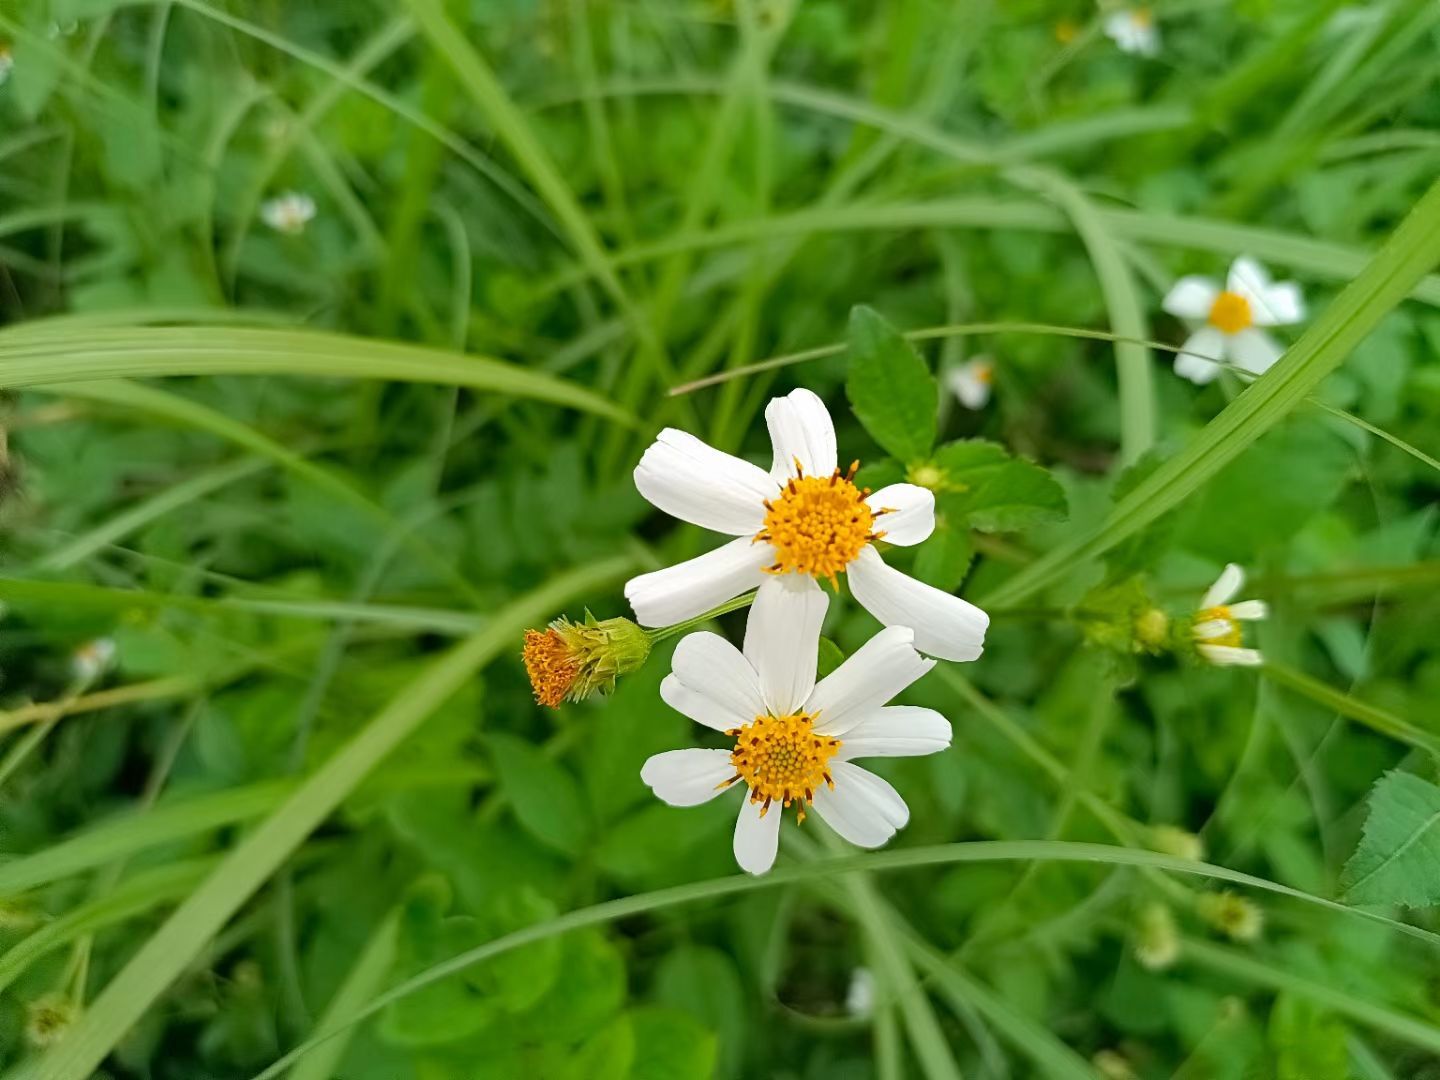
(1398,860)
(545,796)
(983,487)
(890,387)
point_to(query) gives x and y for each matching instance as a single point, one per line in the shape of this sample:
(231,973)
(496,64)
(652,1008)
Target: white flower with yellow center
(1134,31)
(802,520)
(7,64)
(1217,623)
(1233,319)
(288,213)
(970,382)
(795,739)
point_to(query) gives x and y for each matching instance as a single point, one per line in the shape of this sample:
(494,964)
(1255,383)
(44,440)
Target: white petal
(1247,278)
(863,808)
(896,731)
(782,639)
(1212,628)
(687,777)
(800,429)
(944,625)
(1250,610)
(1191,297)
(701,707)
(756,838)
(913,518)
(1199,358)
(1281,305)
(1255,350)
(970,383)
(710,666)
(1226,586)
(687,589)
(699,484)
(871,676)
(1225,656)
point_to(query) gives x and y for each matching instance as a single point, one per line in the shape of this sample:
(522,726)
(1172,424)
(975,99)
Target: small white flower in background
(1217,623)
(860,997)
(970,382)
(1134,31)
(801,521)
(92,659)
(1157,941)
(7,64)
(1233,318)
(288,213)
(795,739)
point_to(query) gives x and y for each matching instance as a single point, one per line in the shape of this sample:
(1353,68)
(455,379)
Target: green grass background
(316,486)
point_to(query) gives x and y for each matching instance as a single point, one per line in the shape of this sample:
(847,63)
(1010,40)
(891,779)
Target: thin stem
(664,632)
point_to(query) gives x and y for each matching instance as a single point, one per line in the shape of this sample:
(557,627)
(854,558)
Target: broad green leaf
(944,558)
(609,1054)
(671,1045)
(1308,1041)
(982,487)
(830,657)
(545,796)
(890,387)
(1398,860)
(703,981)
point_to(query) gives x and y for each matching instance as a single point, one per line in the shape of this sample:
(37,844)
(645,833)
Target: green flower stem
(1376,719)
(664,632)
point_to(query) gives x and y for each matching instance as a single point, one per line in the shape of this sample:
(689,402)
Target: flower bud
(48,1018)
(1152,630)
(1113,1065)
(1157,944)
(570,661)
(1234,916)
(1172,840)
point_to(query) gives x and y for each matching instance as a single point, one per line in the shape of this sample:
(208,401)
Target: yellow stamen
(1230,313)
(984,373)
(782,760)
(818,525)
(551,665)
(1231,637)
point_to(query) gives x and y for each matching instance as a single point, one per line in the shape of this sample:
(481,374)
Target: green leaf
(545,796)
(983,487)
(608,1055)
(1308,1041)
(944,558)
(1398,857)
(671,1045)
(830,657)
(703,981)
(890,387)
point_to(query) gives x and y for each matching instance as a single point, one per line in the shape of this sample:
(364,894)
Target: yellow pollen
(984,373)
(551,666)
(1231,313)
(782,760)
(1231,638)
(818,524)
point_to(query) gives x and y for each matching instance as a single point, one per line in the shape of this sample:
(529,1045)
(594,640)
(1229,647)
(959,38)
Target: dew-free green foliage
(314,486)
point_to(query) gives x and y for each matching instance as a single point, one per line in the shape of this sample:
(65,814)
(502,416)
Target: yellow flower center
(1066,31)
(1231,313)
(1231,637)
(818,525)
(782,760)
(551,665)
(984,373)
(1142,17)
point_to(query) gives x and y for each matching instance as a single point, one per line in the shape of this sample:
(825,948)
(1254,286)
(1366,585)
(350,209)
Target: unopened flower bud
(1113,1065)
(1157,944)
(1172,840)
(1152,630)
(1234,916)
(570,661)
(48,1018)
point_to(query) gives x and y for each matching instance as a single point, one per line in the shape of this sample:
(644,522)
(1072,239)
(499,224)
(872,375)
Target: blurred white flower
(860,997)
(970,382)
(92,659)
(1157,941)
(1217,623)
(1232,319)
(288,213)
(7,64)
(795,739)
(1236,917)
(802,520)
(1134,31)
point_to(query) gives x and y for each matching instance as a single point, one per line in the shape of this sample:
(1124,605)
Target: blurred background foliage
(626,195)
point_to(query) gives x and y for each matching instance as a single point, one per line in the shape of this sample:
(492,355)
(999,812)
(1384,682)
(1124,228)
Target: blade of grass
(1375,718)
(171,948)
(1411,251)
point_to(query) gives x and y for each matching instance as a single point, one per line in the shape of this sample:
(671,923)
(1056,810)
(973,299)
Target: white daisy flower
(7,64)
(795,740)
(93,659)
(1134,31)
(970,382)
(288,213)
(1233,318)
(860,996)
(1217,623)
(802,520)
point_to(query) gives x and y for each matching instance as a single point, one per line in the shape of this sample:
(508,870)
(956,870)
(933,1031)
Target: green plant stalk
(171,948)
(362,982)
(1375,718)
(1411,251)
(665,632)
